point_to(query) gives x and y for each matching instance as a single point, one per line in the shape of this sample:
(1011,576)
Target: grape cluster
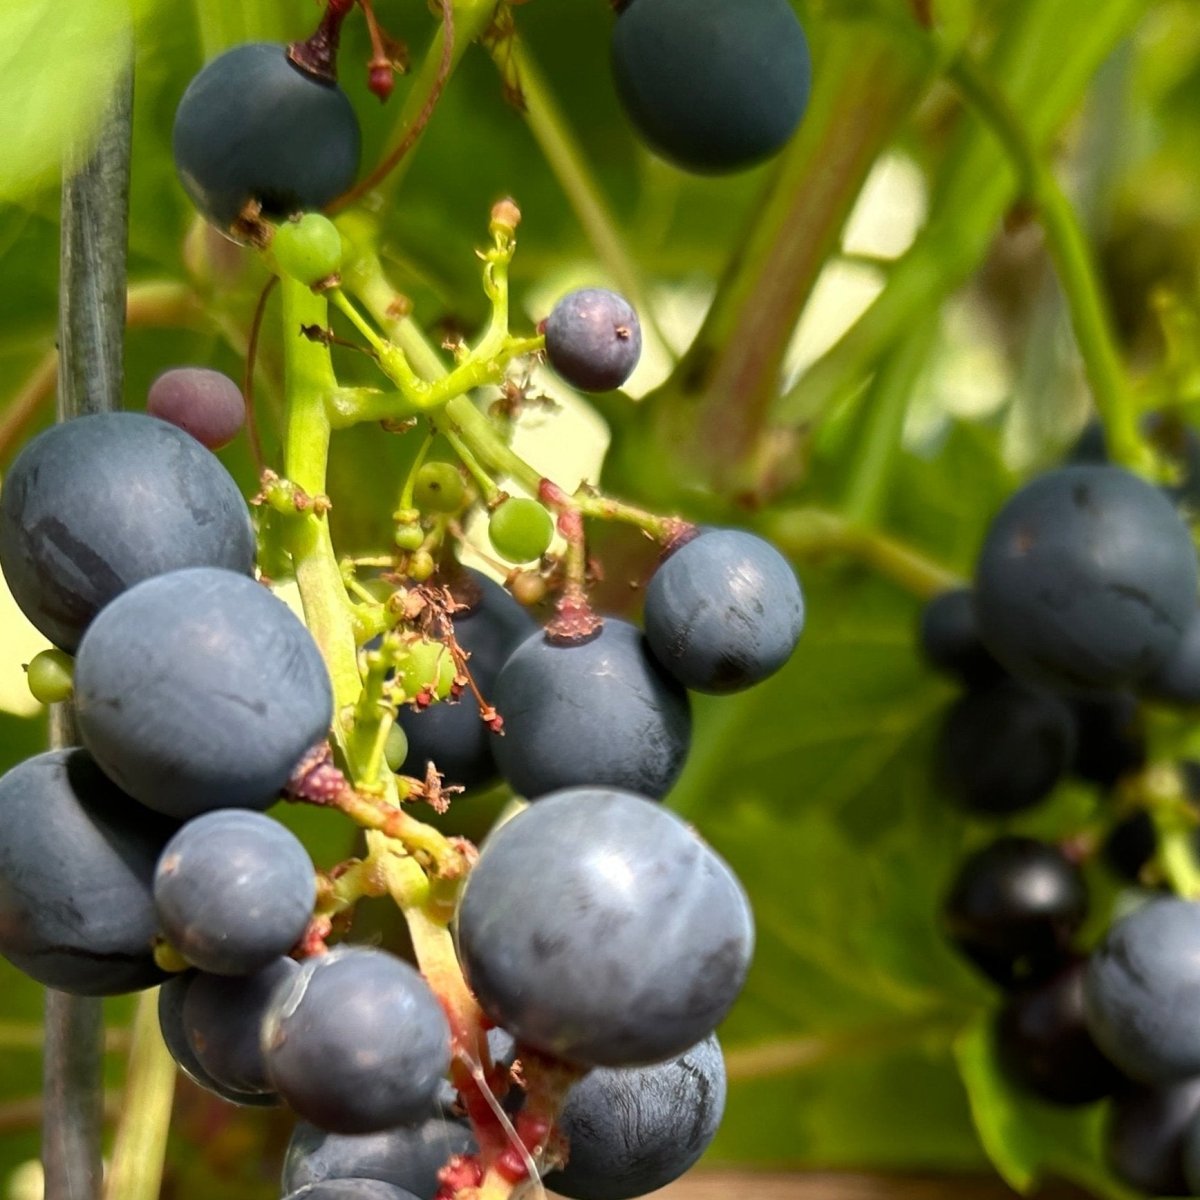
(571,972)
(1082,606)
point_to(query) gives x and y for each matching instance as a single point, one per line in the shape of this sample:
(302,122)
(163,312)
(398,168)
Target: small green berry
(421,566)
(520,530)
(49,676)
(395,749)
(426,666)
(439,488)
(409,537)
(309,250)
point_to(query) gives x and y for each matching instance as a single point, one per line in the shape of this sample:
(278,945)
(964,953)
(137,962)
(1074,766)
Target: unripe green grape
(421,566)
(395,748)
(439,488)
(520,530)
(309,250)
(49,676)
(409,537)
(426,666)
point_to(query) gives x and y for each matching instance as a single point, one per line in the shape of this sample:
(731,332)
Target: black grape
(723,611)
(593,339)
(1003,748)
(202,402)
(1110,739)
(1086,581)
(254,127)
(1176,680)
(948,637)
(1013,909)
(76,862)
(171,998)
(1141,986)
(223,1020)
(234,890)
(200,690)
(712,86)
(408,1156)
(358,1042)
(633,1130)
(1045,1047)
(1144,1137)
(94,505)
(452,735)
(598,928)
(597,712)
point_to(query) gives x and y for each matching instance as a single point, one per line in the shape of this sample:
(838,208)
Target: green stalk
(310,384)
(813,534)
(1047,54)
(880,437)
(1077,272)
(566,159)
(139,1150)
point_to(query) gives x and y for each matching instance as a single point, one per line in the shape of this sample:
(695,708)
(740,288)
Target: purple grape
(202,402)
(593,339)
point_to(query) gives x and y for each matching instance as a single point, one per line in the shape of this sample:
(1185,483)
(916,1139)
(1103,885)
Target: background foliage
(883,279)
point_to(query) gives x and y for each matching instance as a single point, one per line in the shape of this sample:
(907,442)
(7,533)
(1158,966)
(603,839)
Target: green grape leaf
(57,62)
(1026,1140)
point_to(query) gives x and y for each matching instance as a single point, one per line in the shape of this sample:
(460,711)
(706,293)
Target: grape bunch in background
(569,975)
(1079,626)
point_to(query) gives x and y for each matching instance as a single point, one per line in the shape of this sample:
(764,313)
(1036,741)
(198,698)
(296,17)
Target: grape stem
(139,1149)
(1077,272)
(812,534)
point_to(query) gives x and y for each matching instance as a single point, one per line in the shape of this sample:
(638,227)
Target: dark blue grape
(171,998)
(453,736)
(223,1020)
(202,402)
(1176,680)
(1086,581)
(633,1130)
(94,505)
(253,127)
(712,85)
(200,690)
(76,861)
(948,638)
(598,928)
(1144,1138)
(233,891)
(593,339)
(1003,748)
(1045,1047)
(1140,990)
(597,712)
(723,611)
(1014,908)
(351,1189)
(358,1043)
(408,1156)
(1110,739)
